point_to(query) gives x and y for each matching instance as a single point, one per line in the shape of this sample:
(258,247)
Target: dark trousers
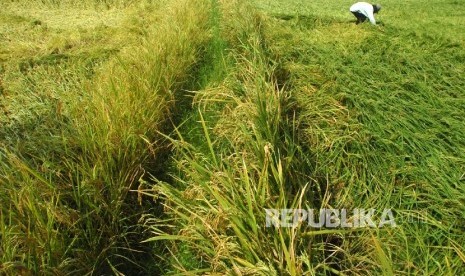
(360,17)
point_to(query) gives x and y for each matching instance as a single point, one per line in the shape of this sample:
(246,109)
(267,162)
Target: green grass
(148,138)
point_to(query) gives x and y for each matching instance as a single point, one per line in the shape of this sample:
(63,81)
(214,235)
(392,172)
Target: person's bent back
(364,10)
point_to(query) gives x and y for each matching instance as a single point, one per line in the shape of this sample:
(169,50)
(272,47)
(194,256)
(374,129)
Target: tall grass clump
(66,205)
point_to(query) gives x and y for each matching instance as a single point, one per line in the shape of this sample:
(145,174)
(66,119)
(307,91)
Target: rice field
(149,137)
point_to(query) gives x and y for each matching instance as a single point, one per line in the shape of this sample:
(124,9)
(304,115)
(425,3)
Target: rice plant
(154,137)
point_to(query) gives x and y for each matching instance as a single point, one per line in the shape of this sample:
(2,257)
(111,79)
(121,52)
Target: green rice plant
(30,228)
(134,97)
(295,107)
(373,116)
(249,160)
(354,125)
(92,142)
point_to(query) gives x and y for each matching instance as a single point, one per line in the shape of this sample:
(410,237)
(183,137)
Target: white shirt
(365,9)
